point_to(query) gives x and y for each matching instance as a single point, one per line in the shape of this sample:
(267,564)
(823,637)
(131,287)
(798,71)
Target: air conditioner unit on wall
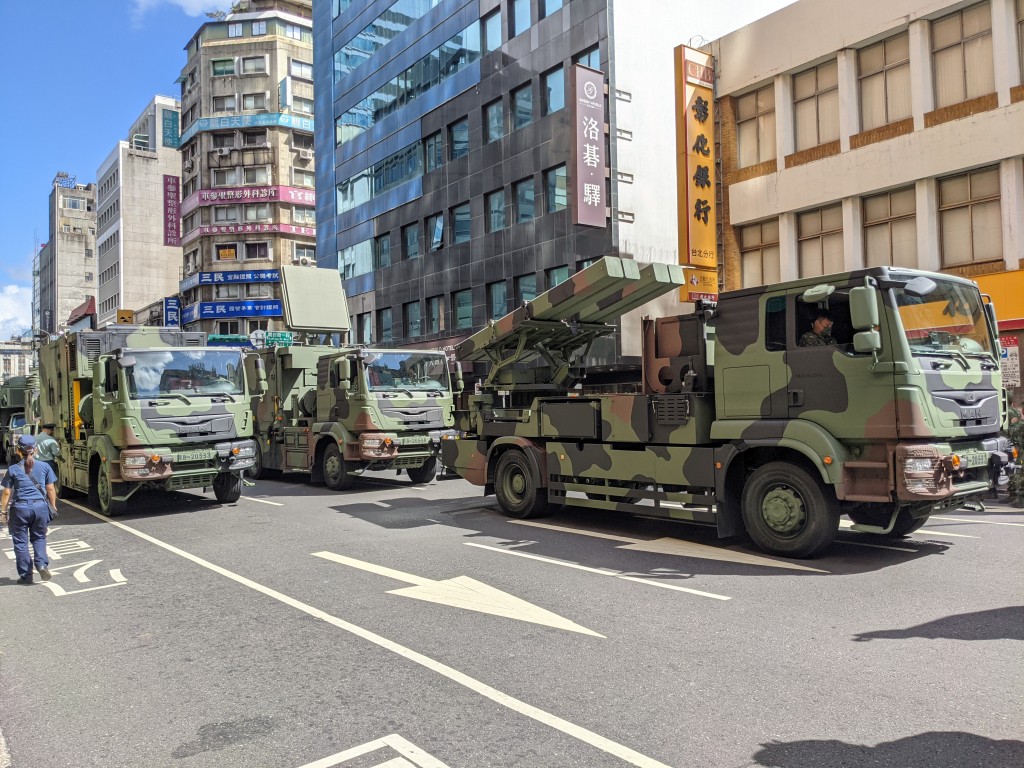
(224,151)
(305,154)
(189,165)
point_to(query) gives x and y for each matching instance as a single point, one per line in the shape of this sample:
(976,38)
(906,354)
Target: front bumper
(191,467)
(390,447)
(938,471)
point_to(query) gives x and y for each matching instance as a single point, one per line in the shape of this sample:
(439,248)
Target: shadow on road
(997,624)
(935,749)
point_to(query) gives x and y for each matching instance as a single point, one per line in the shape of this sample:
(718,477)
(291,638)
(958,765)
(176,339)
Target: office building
(138,243)
(247,178)
(67,263)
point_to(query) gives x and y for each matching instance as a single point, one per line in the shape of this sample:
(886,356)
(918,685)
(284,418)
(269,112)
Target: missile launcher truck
(336,411)
(146,408)
(730,422)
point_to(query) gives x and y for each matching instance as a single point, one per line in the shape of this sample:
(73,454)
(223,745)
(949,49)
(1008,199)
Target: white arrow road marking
(419,758)
(667,546)
(600,571)
(464,592)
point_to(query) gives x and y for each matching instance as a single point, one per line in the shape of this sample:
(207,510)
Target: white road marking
(464,592)
(460,678)
(668,546)
(381,504)
(408,750)
(967,520)
(929,530)
(263,501)
(847,524)
(61,592)
(115,574)
(599,571)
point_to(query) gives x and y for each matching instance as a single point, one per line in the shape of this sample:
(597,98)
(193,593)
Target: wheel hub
(517,483)
(783,510)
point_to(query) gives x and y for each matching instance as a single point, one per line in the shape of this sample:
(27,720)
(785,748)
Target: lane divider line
(967,520)
(263,501)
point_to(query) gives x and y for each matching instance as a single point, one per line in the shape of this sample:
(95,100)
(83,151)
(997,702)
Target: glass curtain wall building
(444,165)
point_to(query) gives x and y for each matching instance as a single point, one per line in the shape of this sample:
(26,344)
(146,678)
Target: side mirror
(867,342)
(127,361)
(343,370)
(261,377)
(863,308)
(459,384)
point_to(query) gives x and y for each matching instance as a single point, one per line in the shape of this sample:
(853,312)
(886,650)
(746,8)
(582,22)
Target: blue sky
(87,69)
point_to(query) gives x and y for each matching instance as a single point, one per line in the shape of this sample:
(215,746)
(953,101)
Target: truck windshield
(949,321)
(167,372)
(17,421)
(410,371)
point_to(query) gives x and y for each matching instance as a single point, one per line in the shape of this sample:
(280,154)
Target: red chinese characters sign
(589,161)
(172,210)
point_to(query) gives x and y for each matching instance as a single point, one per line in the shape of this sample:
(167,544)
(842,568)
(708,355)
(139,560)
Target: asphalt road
(394,626)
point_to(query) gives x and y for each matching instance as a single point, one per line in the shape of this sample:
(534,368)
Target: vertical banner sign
(696,172)
(589,161)
(1010,362)
(172,312)
(169,125)
(172,210)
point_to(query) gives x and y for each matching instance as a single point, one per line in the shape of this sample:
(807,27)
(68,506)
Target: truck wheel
(106,489)
(227,487)
(425,473)
(517,488)
(336,474)
(787,511)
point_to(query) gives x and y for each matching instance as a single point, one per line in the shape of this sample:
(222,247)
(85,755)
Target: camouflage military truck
(730,422)
(139,407)
(14,394)
(336,411)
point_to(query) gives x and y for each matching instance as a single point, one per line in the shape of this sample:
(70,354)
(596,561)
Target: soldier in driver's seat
(820,334)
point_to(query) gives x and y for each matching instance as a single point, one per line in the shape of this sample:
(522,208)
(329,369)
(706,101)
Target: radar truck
(15,397)
(146,408)
(729,421)
(336,411)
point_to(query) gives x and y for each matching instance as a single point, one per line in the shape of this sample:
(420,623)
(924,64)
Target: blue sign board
(216,310)
(170,128)
(172,312)
(265,120)
(217,278)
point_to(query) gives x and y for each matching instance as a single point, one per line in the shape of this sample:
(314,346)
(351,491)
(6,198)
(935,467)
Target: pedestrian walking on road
(47,447)
(28,497)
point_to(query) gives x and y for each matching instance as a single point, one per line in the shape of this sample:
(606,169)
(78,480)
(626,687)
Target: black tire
(788,512)
(905,523)
(106,489)
(227,487)
(517,488)
(332,466)
(425,473)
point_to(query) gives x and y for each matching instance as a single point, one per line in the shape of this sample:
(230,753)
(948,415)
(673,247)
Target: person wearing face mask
(820,334)
(28,498)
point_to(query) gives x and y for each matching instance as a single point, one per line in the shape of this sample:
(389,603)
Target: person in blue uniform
(28,496)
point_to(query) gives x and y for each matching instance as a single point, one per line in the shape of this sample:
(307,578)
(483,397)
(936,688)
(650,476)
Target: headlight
(372,442)
(134,461)
(245,451)
(917,465)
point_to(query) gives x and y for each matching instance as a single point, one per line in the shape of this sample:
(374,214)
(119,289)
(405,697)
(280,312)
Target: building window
(495,210)
(300,69)
(553,90)
(255,251)
(256,175)
(235,30)
(225,291)
(890,229)
(259,325)
(760,262)
(256,138)
(494,123)
(254,65)
(228,327)
(293,31)
(435,314)
(433,151)
(524,200)
(302,178)
(251,101)
(302,141)
(259,27)
(257,291)
(525,288)
(307,252)
(302,215)
(884,70)
(820,241)
(458,138)
(816,105)
(554,187)
(411,241)
(226,251)
(462,309)
(363,329)
(522,106)
(497,300)
(435,231)
(755,126)
(413,322)
(460,223)
(491,25)
(225,213)
(970,218)
(222,67)
(384,325)
(382,250)
(556,276)
(547,7)
(223,140)
(302,106)
(223,103)
(590,58)
(962,55)
(520,16)
(223,177)
(259,212)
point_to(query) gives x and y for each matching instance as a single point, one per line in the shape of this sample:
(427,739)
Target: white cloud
(15,310)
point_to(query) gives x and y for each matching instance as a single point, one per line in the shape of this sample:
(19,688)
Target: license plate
(202,455)
(976,460)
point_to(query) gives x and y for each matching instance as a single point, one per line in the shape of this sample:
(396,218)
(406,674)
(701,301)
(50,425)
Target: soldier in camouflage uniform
(1016,433)
(820,334)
